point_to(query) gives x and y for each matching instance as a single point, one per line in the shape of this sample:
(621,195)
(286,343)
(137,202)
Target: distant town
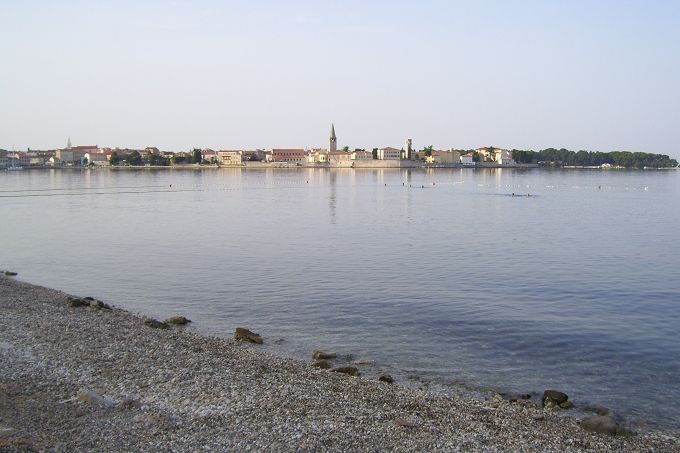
(406,156)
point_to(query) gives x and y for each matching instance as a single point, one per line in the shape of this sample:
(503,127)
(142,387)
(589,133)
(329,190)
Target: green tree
(133,158)
(114,159)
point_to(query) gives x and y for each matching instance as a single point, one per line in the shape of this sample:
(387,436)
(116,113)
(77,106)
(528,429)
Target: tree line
(135,158)
(562,157)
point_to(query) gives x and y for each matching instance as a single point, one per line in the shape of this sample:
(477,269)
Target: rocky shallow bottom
(79,377)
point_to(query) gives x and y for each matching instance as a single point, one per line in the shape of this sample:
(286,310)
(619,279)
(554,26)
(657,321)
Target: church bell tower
(332,141)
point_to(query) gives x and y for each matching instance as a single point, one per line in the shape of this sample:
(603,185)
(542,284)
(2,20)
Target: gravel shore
(88,379)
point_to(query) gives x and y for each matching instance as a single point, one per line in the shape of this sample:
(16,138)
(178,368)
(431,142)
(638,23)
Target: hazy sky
(597,75)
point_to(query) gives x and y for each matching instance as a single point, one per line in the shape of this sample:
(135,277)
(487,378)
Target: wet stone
(386,378)
(350,370)
(177,320)
(243,334)
(155,324)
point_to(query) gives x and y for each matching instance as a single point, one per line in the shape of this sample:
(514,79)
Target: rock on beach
(600,424)
(243,334)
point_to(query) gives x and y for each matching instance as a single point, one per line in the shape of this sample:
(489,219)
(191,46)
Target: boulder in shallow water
(155,324)
(351,370)
(76,302)
(177,320)
(553,398)
(321,355)
(322,364)
(600,424)
(243,334)
(10,274)
(386,378)
(99,305)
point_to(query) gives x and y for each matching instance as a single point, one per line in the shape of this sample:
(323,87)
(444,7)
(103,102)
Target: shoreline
(284,166)
(170,389)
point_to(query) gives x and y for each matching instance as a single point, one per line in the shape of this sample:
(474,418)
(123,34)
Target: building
(209,156)
(227,157)
(332,140)
(74,154)
(317,156)
(389,153)
(408,147)
(504,157)
(19,159)
(289,155)
(257,155)
(3,159)
(98,159)
(361,154)
(443,157)
(467,159)
(339,158)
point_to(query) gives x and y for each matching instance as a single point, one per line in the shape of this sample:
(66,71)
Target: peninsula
(331,157)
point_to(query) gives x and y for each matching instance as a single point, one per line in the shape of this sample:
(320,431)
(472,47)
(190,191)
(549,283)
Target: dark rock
(244,334)
(75,302)
(386,378)
(177,320)
(99,305)
(89,299)
(10,274)
(351,370)
(567,405)
(553,398)
(600,424)
(154,324)
(320,355)
(322,364)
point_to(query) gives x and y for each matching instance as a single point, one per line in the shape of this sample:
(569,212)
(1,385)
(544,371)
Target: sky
(594,75)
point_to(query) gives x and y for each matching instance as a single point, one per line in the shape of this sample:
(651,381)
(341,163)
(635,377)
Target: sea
(450,280)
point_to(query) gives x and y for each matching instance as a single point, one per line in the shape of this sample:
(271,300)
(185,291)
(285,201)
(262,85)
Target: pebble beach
(99,378)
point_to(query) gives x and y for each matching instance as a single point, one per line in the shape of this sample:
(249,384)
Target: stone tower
(332,141)
(407,149)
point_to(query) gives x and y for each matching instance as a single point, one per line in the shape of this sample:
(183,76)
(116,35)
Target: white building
(504,157)
(408,147)
(317,156)
(99,159)
(467,159)
(389,153)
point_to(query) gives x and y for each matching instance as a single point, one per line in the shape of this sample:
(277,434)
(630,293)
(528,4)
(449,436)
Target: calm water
(576,287)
